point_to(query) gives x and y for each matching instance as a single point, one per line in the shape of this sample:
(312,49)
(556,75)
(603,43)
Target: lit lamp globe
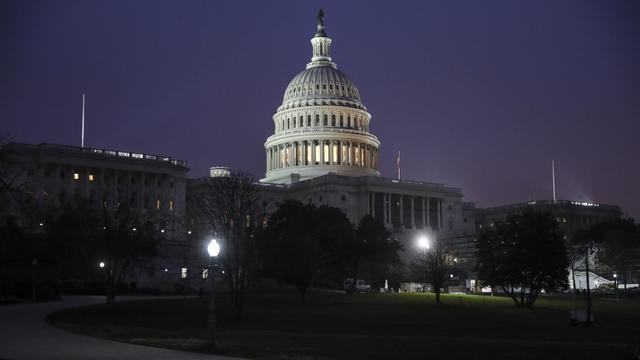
(101,264)
(423,242)
(213,248)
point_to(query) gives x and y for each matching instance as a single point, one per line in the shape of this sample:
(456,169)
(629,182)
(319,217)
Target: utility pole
(588,249)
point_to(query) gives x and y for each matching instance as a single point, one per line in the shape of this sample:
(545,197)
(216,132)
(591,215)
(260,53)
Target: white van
(361,287)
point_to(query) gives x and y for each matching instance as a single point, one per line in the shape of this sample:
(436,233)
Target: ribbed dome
(321,85)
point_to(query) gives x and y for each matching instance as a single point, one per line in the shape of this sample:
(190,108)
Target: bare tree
(231,207)
(129,238)
(13,179)
(438,263)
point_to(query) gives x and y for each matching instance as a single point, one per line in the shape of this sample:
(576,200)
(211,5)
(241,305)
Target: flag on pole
(398,164)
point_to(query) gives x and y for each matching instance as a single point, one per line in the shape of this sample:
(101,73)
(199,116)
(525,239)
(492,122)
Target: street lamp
(615,284)
(101,264)
(423,243)
(214,250)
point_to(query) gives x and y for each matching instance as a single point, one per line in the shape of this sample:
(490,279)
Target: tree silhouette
(523,256)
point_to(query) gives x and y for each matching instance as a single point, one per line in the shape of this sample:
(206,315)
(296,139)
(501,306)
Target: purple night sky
(480,95)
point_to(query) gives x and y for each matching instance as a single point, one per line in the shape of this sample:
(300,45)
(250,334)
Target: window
(308,120)
(91,177)
(326,120)
(333,120)
(158,204)
(320,198)
(170,205)
(76,176)
(205,273)
(183,273)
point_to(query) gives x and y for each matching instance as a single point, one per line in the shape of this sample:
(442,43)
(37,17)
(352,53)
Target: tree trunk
(438,296)
(238,303)
(110,290)
(302,291)
(573,278)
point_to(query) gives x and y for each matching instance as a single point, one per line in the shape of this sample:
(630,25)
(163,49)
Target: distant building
(54,177)
(570,215)
(61,175)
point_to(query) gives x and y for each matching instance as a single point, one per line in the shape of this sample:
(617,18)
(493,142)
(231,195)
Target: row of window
(358,123)
(92,177)
(301,90)
(319,153)
(158,204)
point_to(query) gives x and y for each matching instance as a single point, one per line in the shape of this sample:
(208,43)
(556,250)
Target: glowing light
(101,264)
(41,224)
(213,248)
(134,229)
(162,231)
(189,232)
(451,276)
(615,276)
(165,269)
(423,242)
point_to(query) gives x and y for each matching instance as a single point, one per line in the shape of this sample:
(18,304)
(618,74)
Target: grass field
(373,326)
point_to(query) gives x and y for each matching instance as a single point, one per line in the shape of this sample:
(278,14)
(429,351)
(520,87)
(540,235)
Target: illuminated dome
(321,85)
(322,126)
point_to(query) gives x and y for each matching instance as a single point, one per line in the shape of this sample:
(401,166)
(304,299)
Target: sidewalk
(24,334)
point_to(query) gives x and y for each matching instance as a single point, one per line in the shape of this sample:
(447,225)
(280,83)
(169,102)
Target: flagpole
(82,136)
(398,165)
(553,177)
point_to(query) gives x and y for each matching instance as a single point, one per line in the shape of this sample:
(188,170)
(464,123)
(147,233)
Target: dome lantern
(321,44)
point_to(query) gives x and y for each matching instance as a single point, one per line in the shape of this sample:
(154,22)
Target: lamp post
(33,278)
(615,284)
(423,243)
(588,252)
(213,249)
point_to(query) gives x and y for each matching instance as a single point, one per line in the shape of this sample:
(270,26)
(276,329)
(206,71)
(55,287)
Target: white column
(427,210)
(294,156)
(373,204)
(413,223)
(313,152)
(424,224)
(384,208)
(401,211)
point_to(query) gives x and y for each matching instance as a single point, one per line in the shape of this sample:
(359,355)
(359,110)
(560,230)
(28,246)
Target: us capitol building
(323,152)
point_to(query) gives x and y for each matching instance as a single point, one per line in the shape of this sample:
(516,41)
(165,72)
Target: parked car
(360,287)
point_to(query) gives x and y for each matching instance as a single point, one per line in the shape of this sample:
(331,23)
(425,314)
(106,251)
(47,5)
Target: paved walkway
(24,334)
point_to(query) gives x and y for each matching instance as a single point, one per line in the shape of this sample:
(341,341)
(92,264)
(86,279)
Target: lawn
(372,326)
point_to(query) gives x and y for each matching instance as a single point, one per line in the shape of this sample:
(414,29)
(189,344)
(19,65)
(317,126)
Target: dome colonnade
(322,126)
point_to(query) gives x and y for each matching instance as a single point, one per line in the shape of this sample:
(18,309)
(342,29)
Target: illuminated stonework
(322,126)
